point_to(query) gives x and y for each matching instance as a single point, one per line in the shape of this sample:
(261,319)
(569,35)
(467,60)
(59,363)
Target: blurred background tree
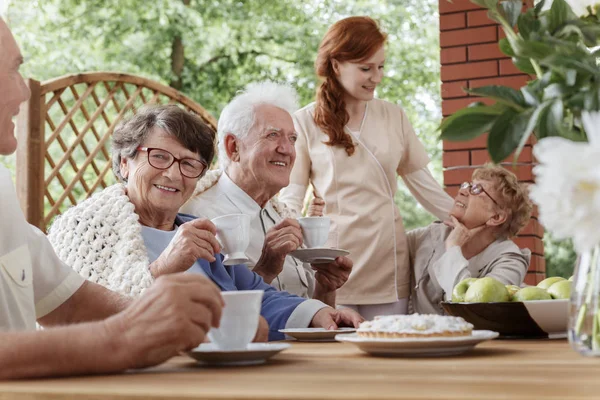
(211,49)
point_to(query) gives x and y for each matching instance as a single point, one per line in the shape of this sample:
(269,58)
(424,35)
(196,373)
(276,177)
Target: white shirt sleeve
(429,193)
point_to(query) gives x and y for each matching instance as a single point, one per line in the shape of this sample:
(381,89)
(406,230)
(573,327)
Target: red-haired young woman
(351,147)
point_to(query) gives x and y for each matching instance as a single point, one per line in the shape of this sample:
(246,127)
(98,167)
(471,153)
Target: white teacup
(315,230)
(233,233)
(239,320)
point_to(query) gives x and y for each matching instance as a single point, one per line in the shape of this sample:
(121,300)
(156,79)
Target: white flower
(567,188)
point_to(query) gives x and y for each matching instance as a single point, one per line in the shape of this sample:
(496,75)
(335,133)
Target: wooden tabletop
(499,369)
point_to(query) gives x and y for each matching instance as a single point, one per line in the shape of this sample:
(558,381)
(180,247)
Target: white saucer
(316,334)
(418,347)
(318,255)
(255,353)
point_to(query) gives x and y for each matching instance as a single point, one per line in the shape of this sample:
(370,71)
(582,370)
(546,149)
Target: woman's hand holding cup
(194,239)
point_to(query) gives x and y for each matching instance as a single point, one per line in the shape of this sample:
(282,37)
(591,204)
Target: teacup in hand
(239,320)
(315,230)
(233,233)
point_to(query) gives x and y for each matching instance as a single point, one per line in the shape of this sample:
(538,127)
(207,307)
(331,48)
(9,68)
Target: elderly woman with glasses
(131,233)
(474,243)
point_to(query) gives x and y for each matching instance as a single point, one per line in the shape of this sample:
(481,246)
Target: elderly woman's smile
(158,177)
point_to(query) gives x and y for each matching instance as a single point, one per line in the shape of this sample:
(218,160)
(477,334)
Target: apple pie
(414,325)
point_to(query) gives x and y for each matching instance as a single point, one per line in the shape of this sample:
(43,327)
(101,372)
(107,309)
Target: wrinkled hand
(316,207)
(195,239)
(262,333)
(173,315)
(332,276)
(280,240)
(460,234)
(330,318)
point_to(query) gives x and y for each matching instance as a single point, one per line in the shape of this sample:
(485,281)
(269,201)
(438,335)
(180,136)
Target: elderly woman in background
(131,233)
(474,243)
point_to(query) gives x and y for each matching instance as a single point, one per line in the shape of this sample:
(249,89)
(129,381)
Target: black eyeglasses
(162,159)
(476,189)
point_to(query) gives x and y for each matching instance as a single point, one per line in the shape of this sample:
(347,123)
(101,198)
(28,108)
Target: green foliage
(555,46)
(560,256)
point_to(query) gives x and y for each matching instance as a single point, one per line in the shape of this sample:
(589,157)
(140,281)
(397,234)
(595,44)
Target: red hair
(351,39)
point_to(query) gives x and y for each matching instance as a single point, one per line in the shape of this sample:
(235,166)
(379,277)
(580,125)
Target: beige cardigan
(436,271)
(359,195)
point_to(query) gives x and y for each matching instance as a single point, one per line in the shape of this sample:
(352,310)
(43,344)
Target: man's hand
(330,318)
(280,240)
(262,333)
(195,239)
(316,207)
(173,315)
(460,234)
(332,276)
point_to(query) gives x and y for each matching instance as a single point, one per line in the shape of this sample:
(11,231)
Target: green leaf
(539,6)
(524,65)
(554,90)
(501,94)
(526,24)
(530,96)
(560,13)
(531,123)
(551,117)
(506,133)
(505,47)
(532,49)
(470,122)
(511,9)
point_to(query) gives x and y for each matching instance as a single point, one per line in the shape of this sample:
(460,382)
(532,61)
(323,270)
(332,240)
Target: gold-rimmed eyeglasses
(476,189)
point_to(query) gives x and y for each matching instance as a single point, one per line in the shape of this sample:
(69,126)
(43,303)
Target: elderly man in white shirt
(256,156)
(172,316)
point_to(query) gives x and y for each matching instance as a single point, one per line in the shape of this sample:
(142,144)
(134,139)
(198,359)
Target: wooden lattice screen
(64,136)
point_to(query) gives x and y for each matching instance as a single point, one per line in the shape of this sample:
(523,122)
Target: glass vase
(584,319)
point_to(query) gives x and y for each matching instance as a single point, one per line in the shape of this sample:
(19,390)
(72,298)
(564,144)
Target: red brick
(515,82)
(488,51)
(533,228)
(537,264)
(533,278)
(482,69)
(468,36)
(523,172)
(508,68)
(451,106)
(447,6)
(479,142)
(455,158)
(452,21)
(480,157)
(478,18)
(453,89)
(453,55)
(457,176)
(532,243)
(452,190)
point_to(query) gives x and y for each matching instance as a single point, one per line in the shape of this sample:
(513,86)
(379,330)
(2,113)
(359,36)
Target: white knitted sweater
(101,239)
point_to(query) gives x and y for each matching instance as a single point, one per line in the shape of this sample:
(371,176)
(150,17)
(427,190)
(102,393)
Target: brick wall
(470,58)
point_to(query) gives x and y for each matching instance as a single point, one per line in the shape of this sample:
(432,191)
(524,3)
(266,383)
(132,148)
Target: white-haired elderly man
(256,156)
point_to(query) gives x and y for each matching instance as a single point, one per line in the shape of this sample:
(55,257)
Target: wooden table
(500,369)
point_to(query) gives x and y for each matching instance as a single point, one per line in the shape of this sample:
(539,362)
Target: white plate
(418,347)
(316,334)
(255,353)
(318,255)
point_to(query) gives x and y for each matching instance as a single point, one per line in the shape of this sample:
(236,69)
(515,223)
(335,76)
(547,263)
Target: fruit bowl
(527,319)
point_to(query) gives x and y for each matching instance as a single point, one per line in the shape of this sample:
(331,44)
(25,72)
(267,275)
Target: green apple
(512,289)
(561,290)
(458,293)
(486,290)
(531,293)
(546,283)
